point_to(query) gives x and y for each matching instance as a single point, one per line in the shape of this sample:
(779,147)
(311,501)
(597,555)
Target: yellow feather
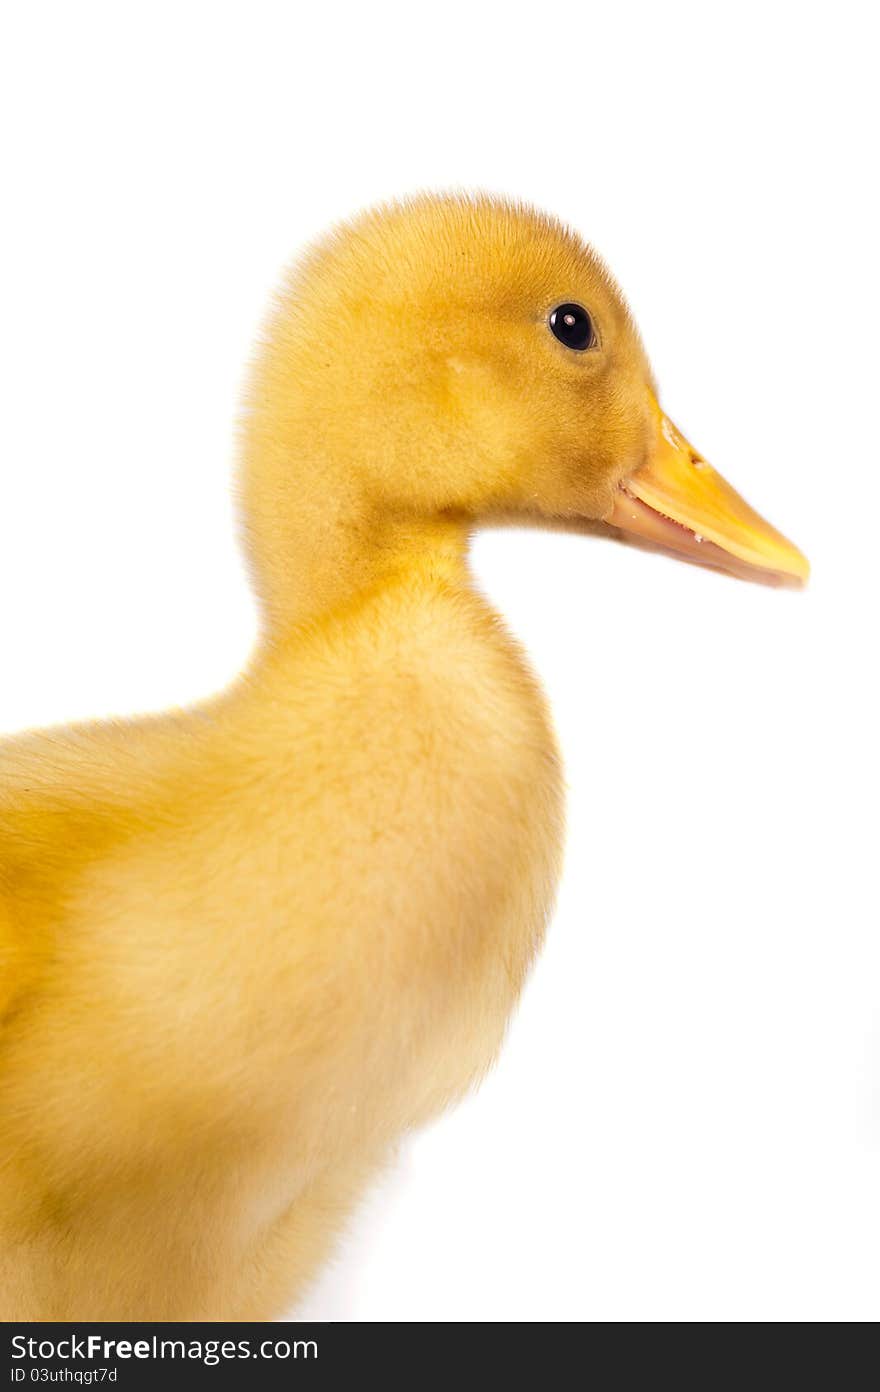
(246,946)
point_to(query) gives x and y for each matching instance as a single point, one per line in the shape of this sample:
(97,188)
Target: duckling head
(463,357)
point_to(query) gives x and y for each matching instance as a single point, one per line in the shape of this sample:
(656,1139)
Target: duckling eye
(573,326)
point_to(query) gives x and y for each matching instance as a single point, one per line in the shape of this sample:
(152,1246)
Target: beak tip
(800,569)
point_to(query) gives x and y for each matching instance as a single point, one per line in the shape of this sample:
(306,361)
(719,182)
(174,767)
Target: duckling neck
(314,550)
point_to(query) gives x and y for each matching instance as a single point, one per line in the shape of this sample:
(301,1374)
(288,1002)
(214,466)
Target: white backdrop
(686,1120)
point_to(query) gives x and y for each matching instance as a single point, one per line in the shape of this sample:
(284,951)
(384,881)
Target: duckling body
(245,947)
(201,1056)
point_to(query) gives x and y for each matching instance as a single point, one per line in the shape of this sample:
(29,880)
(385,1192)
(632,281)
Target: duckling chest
(437,801)
(428,752)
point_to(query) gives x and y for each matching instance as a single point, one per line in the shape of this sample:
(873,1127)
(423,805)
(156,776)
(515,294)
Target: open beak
(678,501)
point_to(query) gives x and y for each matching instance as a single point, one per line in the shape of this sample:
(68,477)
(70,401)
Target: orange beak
(678,501)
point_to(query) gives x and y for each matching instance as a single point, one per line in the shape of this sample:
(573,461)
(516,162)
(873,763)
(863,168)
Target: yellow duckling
(246,946)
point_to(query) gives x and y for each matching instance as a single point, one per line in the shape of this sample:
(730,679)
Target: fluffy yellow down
(244,947)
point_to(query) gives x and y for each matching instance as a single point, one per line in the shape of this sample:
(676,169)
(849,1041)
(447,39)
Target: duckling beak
(678,501)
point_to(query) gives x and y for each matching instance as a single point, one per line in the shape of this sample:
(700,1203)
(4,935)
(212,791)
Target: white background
(686,1120)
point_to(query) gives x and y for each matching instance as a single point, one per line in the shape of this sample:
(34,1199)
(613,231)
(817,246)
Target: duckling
(247,946)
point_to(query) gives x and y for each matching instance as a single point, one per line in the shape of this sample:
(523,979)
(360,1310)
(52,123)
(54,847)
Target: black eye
(573,326)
